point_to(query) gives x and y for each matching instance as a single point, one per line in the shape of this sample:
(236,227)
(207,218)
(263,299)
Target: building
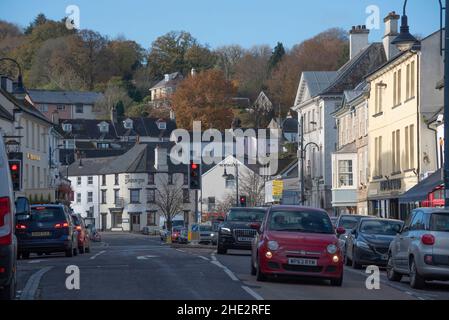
(28,141)
(162,91)
(350,160)
(283,187)
(403,148)
(121,193)
(66,104)
(319,94)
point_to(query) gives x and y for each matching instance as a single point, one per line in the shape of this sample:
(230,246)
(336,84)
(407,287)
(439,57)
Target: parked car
(164,233)
(83,233)
(369,242)
(207,234)
(235,232)
(348,222)
(49,228)
(334,221)
(183,235)
(94,235)
(421,249)
(176,232)
(296,241)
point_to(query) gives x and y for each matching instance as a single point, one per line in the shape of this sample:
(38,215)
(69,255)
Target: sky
(222,22)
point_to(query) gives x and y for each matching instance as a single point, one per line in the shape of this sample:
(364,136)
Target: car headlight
(273,245)
(331,249)
(362,244)
(212,234)
(225,230)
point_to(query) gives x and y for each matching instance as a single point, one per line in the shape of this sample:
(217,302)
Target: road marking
(226,270)
(145,257)
(214,258)
(204,258)
(35,261)
(29,292)
(180,250)
(251,292)
(101,252)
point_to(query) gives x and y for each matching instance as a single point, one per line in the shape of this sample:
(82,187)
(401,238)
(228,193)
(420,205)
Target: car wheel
(88,249)
(338,282)
(391,274)
(348,261)
(416,281)
(9,292)
(69,252)
(75,251)
(221,250)
(82,249)
(253,269)
(260,276)
(355,264)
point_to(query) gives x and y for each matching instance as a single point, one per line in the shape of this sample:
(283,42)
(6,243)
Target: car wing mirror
(255,226)
(340,231)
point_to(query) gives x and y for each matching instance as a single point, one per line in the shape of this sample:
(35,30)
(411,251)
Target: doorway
(135,222)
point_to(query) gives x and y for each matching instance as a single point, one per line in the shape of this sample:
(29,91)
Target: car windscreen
(439,221)
(348,222)
(300,221)
(47,214)
(380,227)
(205,228)
(76,220)
(246,215)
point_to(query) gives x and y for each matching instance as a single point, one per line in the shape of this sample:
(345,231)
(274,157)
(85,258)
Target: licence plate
(302,262)
(245,239)
(40,234)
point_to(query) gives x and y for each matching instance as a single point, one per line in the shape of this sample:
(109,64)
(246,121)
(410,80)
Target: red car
(83,234)
(176,233)
(297,241)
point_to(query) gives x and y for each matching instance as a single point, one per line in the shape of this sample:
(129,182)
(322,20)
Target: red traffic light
(194,166)
(14,167)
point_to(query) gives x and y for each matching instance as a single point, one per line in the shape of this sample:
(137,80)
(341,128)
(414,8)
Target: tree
(227,59)
(113,95)
(227,203)
(39,20)
(276,56)
(169,199)
(253,186)
(205,97)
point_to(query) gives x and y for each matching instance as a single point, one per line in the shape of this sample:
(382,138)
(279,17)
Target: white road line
(225,269)
(180,250)
(204,258)
(251,292)
(101,252)
(214,258)
(29,292)
(34,261)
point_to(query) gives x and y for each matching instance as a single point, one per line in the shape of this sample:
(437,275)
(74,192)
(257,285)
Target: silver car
(207,235)
(421,249)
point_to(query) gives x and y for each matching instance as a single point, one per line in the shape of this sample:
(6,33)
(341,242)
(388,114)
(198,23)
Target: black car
(235,231)
(49,228)
(368,243)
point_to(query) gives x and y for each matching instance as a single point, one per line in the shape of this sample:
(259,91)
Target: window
(67,127)
(418,222)
(116,196)
(103,145)
(79,108)
(230,181)
(90,213)
(150,195)
(151,218)
(345,175)
(186,195)
(90,180)
(116,179)
(90,197)
(60,107)
(397,88)
(103,180)
(211,203)
(378,156)
(151,178)
(412,79)
(409,161)
(43,107)
(78,198)
(134,195)
(78,181)
(378,98)
(396,151)
(103,196)
(162,125)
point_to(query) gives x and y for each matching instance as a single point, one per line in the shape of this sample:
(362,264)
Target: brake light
(21,226)
(428,239)
(5,221)
(78,228)
(39,208)
(61,225)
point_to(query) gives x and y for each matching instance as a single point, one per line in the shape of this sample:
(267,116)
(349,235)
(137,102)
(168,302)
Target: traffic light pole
(237,199)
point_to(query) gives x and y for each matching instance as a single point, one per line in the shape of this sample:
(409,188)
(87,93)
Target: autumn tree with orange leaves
(206,97)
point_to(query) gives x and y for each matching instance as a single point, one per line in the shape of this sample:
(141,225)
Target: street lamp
(404,42)
(19,91)
(226,176)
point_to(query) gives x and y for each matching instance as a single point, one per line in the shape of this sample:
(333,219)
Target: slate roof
(175,78)
(64,97)
(317,81)
(5,114)
(145,127)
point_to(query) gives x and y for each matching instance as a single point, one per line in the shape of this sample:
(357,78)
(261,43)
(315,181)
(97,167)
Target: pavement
(134,266)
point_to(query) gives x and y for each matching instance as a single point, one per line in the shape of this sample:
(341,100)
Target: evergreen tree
(276,56)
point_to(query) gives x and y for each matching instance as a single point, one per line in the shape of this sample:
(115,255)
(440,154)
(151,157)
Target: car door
(406,237)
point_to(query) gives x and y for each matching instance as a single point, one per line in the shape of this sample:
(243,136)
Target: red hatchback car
(297,241)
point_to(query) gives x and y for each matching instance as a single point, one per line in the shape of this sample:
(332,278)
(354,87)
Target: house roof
(145,127)
(174,79)
(4,114)
(317,81)
(347,148)
(64,97)
(356,69)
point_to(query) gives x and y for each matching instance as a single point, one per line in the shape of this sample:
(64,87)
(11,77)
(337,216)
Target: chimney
(55,117)
(114,115)
(358,40)
(172,114)
(160,159)
(7,84)
(193,72)
(167,77)
(391,31)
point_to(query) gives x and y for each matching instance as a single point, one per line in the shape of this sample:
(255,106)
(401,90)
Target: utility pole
(301,145)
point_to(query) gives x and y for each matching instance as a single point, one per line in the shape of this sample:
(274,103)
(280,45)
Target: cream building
(402,147)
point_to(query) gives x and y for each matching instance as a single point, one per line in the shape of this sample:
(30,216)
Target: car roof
(431,210)
(249,208)
(296,207)
(381,219)
(48,205)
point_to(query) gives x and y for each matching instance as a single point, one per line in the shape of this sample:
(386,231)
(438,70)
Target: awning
(422,189)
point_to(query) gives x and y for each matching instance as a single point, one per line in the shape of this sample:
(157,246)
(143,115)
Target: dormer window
(128,124)
(104,127)
(162,125)
(67,127)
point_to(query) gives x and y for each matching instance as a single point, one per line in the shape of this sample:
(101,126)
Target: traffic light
(194,176)
(15,167)
(243,201)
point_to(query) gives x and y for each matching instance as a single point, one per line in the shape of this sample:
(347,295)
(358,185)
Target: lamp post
(226,175)
(19,91)
(404,42)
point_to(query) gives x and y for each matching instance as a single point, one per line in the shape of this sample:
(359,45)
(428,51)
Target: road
(133,266)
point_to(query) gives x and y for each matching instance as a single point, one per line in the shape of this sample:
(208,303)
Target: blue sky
(220,22)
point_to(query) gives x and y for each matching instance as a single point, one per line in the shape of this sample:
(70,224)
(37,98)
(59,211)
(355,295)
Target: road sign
(278,188)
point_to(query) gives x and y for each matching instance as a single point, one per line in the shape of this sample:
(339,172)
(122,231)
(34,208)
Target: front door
(103,222)
(135,222)
(117,220)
